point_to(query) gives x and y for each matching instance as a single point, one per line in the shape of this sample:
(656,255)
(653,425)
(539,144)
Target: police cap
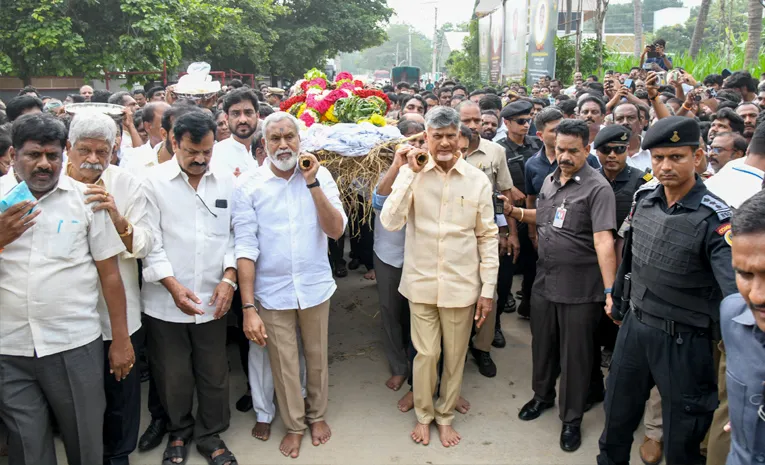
(519,107)
(612,133)
(674,131)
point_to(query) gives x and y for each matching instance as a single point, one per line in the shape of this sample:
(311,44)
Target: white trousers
(262,381)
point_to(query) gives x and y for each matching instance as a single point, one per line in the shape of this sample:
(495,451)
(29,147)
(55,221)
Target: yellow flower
(301,109)
(377,120)
(330,114)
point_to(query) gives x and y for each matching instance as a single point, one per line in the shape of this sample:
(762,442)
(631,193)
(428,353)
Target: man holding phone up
(654,54)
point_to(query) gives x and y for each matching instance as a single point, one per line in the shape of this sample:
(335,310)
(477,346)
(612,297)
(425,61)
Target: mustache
(566,162)
(194,163)
(41,171)
(284,152)
(91,166)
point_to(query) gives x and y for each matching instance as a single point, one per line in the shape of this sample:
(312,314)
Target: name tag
(560,215)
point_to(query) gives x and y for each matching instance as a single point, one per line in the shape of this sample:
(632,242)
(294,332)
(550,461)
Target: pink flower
(307,118)
(318,82)
(344,76)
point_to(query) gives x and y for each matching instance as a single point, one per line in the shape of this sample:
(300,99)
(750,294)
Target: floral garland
(314,100)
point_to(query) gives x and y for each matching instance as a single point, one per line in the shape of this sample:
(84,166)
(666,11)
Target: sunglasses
(618,149)
(522,121)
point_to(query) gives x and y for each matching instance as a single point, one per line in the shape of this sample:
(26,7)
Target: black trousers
(336,250)
(362,238)
(604,336)
(562,344)
(236,335)
(682,366)
(189,358)
(527,263)
(504,283)
(122,416)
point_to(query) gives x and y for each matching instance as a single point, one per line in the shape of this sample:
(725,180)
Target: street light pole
(435,45)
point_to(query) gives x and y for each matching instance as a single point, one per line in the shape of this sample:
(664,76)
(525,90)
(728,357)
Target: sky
(420,13)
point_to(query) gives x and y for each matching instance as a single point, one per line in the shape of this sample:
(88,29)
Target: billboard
(484,44)
(514,62)
(496,46)
(543,25)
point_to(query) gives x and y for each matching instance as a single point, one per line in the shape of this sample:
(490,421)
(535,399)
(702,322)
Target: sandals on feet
(176,452)
(226,458)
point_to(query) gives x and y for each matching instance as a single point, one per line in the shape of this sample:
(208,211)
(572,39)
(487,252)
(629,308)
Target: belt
(668,326)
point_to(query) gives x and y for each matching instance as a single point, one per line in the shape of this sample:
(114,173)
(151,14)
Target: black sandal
(175,452)
(226,458)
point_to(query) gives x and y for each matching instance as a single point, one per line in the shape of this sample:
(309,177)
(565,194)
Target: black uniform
(680,269)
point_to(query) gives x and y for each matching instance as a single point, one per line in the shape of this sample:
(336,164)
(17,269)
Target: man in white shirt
(189,282)
(282,218)
(234,154)
(138,160)
(736,184)
(628,114)
(110,188)
(51,265)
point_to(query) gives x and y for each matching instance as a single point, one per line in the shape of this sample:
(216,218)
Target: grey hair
(442,117)
(92,125)
(465,104)
(118,98)
(277,117)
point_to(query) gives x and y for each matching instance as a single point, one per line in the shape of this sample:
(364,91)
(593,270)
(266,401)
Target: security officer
(679,267)
(611,146)
(519,147)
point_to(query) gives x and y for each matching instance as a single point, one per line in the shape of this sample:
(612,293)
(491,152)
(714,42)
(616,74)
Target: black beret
(674,131)
(612,133)
(520,107)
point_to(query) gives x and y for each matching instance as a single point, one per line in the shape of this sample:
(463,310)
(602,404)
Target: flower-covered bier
(344,101)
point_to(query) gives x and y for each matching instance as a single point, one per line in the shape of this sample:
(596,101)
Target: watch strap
(313,184)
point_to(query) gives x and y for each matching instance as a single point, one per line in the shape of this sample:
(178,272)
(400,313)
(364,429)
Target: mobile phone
(499,204)
(725,73)
(629,83)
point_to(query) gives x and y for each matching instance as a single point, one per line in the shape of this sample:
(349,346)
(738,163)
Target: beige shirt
(490,158)
(49,284)
(450,255)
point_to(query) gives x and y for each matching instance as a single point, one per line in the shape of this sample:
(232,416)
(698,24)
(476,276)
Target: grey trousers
(187,357)
(71,383)
(394,312)
(562,344)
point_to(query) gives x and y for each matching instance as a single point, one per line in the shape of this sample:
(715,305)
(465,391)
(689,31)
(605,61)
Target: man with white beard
(291,212)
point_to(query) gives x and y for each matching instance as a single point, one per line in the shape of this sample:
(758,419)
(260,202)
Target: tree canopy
(84,37)
(384,56)
(620,17)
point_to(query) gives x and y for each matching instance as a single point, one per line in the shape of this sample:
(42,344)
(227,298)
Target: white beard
(283,165)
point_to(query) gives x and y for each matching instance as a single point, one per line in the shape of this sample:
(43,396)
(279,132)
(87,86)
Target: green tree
(245,44)
(463,65)
(620,17)
(68,37)
(565,57)
(384,56)
(315,30)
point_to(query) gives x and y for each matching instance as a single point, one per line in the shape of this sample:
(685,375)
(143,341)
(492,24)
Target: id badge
(560,215)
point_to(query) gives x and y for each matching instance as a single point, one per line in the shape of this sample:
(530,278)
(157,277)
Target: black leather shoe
(570,438)
(486,365)
(510,306)
(340,270)
(244,404)
(594,397)
(499,338)
(524,309)
(354,264)
(533,409)
(153,435)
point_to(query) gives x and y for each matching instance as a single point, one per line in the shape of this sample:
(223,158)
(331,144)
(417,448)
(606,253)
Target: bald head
(87,92)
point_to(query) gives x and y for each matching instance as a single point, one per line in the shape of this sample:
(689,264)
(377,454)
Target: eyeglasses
(718,150)
(617,149)
(522,121)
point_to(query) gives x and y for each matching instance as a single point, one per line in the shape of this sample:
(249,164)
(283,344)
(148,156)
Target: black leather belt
(668,326)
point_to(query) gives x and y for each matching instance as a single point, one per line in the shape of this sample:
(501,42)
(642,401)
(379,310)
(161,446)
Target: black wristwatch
(313,184)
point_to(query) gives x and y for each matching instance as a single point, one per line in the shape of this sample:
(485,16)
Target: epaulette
(647,177)
(718,206)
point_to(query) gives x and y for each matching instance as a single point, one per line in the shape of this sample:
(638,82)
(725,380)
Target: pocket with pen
(61,238)
(18,194)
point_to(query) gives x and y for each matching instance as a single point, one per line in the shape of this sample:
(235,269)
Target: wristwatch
(246,306)
(230,283)
(313,184)
(607,291)
(128,231)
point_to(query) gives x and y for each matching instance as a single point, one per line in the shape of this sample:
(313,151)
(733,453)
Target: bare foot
(370,275)
(421,434)
(449,437)
(320,432)
(262,431)
(463,406)
(290,446)
(395,382)
(407,402)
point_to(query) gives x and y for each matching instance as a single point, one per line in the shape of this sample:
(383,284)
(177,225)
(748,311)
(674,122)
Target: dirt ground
(366,426)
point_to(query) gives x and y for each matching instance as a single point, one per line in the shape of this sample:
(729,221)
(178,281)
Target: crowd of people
(630,203)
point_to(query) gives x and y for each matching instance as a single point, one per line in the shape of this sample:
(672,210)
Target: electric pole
(435,46)
(410,46)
